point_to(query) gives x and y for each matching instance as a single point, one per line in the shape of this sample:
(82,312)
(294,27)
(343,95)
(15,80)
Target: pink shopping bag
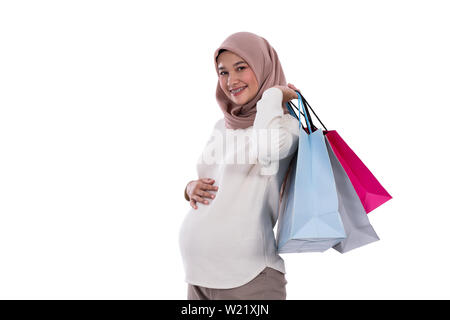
(369,190)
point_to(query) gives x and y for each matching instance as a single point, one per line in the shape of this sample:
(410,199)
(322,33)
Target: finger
(200,199)
(209,187)
(207,195)
(207,180)
(192,203)
(293,87)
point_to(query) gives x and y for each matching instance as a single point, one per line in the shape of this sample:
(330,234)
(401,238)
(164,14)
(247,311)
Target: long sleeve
(270,116)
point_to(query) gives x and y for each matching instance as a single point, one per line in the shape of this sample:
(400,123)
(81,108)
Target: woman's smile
(238,92)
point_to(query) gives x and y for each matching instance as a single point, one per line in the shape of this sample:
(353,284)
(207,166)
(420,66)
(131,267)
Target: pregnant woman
(226,240)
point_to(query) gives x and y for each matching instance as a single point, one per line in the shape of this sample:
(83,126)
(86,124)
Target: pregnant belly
(205,235)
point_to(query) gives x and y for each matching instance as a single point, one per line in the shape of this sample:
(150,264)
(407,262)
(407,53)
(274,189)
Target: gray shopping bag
(356,223)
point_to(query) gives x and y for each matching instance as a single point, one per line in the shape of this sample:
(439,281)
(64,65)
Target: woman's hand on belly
(197,191)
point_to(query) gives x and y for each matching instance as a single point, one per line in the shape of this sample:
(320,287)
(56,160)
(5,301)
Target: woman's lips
(238,93)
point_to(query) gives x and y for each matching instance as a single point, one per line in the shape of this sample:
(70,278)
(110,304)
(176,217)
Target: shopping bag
(357,227)
(370,192)
(309,220)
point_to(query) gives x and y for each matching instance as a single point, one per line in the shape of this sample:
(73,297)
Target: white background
(105,107)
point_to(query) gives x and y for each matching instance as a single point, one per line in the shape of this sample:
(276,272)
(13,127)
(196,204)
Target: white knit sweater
(228,242)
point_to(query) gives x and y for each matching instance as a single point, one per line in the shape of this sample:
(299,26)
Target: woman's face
(235,73)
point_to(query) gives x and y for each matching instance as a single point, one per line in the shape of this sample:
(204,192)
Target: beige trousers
(270,284)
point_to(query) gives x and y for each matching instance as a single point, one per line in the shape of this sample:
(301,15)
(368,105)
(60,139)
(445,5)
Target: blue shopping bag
(309,220)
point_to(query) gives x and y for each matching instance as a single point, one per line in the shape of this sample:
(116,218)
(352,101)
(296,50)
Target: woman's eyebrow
(239,62)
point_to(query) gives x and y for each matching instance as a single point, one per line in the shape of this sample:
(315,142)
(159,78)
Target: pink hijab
(263,60)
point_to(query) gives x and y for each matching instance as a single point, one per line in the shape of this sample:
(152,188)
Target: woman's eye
(226,72)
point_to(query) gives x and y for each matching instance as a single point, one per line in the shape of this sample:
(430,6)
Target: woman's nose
(232,80)
(233,84)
